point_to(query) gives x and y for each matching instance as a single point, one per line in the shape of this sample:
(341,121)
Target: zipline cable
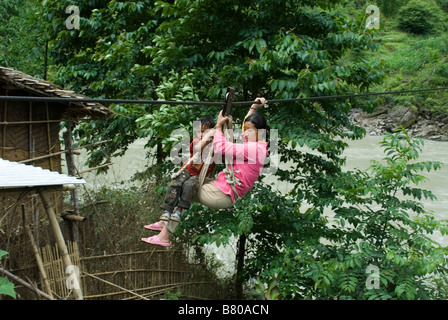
(105,101)
(126,101)
(344,96)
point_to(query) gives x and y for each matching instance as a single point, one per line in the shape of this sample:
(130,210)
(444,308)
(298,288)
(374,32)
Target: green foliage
(421,17)
(144,50)
(194,50)
(22,45)
(172,296)
(169,118)
(378,220)
(390,7)
(6,287)
(190,49)
(414,61)
(269,292)
(443,4)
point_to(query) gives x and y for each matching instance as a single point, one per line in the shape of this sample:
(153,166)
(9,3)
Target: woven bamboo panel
(151,274)
(54,268)
(32,138)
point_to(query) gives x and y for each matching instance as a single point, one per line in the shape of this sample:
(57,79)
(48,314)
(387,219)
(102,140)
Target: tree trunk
(240,266)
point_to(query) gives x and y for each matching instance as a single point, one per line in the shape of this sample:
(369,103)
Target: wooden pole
(69,159)
(49,136)
(30,131)
(49,208)
(116,286)
(25,284)
(40,264)
(4,128)
(73,217)
(61,152)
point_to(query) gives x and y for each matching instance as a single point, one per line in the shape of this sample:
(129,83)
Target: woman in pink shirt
(247,159)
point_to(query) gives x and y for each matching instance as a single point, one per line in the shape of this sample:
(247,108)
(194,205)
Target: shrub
(443,4)
(420,17)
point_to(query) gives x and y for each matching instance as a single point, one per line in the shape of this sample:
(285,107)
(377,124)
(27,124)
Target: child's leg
(175,219)
(189,188)
(172,195)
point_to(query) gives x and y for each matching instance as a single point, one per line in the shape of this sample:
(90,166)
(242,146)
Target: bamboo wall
(151,274)
(29,130)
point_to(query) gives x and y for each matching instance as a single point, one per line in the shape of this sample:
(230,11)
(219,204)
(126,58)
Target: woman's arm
(220,122)
(253,108)
(221,145)
(222,119)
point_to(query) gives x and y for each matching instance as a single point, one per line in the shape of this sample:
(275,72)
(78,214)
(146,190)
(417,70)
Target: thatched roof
(42,88)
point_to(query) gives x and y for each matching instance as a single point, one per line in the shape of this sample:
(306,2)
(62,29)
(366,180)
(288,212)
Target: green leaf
(7,288)
(3,253)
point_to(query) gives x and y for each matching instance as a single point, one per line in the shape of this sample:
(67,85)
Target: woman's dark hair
(260,123)
(207,121)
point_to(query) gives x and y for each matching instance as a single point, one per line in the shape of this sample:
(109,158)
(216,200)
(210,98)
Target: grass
(414,62)
(410,62)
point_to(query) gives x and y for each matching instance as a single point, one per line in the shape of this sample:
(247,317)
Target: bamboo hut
(40,246)
(30,134)
(30,129)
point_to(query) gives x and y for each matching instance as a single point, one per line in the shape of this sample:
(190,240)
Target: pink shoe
(154,226)
(156,240)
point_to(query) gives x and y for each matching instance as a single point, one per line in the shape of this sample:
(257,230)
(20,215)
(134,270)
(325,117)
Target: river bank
(418,122)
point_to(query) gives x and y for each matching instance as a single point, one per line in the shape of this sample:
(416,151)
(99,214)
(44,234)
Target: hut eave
(38,87)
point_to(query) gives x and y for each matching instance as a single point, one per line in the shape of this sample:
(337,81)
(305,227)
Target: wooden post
(40,264)
(49,135)
(72,172)
(4,128)
(49,208)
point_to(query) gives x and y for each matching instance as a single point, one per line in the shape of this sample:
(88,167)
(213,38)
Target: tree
(101,59)
(279,52)
(379,225)
(22,46)
(419,17)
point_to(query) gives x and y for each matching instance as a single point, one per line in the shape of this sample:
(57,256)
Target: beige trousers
(212,197)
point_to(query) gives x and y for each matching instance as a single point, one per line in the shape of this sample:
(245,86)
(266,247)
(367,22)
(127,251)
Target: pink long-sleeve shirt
(247,158)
